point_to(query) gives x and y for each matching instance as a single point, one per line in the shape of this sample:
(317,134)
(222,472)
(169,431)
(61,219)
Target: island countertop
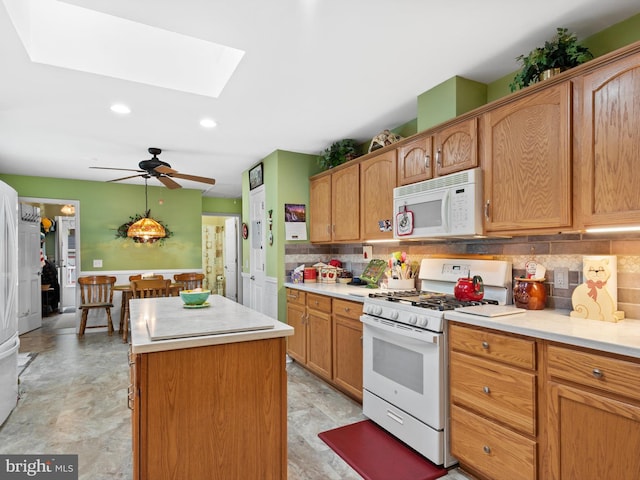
(192,327)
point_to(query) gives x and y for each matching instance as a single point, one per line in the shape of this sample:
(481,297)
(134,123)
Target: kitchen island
(209,393)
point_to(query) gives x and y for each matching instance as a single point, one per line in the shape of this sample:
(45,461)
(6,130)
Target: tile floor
(73,400)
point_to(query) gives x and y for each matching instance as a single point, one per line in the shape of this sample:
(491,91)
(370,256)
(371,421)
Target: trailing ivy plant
(338,153)
(563,51)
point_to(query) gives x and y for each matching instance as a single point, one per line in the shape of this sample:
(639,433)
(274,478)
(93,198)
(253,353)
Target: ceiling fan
(156,168)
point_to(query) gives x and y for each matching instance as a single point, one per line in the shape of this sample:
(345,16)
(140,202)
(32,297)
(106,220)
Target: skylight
(63,35)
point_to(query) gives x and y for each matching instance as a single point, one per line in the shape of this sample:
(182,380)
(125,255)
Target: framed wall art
(256,176)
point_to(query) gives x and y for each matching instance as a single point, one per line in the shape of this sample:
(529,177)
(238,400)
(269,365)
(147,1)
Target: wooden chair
(189,281)
(139,277)
(148,288)
(96,291)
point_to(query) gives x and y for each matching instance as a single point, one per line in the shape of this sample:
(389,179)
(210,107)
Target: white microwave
(447,206)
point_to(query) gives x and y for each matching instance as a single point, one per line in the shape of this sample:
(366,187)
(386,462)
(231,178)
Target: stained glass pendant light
(146,229)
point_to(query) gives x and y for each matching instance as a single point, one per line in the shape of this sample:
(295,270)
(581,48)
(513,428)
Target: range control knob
(412,319)
(422,321)
(377,310)
(393,315)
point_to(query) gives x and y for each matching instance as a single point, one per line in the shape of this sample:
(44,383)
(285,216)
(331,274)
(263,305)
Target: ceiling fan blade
(164,169)
(170,184)
(125,178)
(124,169)
(194,178)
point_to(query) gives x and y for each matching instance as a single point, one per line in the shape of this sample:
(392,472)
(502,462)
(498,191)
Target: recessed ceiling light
(120,108)
(208,123)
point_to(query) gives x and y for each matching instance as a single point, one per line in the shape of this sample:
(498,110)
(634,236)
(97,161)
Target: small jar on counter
(529,293)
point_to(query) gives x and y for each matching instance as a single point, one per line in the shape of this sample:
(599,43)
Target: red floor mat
(377,455)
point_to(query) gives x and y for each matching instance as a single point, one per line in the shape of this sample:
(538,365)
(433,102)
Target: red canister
(310,275)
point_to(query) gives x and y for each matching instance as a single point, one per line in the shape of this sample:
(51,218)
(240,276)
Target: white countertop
(195,327)
(556,325)
(337,290)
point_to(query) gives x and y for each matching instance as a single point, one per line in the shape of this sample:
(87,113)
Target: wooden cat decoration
(591,299)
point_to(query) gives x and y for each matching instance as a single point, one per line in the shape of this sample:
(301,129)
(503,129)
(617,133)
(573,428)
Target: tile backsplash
(552,251)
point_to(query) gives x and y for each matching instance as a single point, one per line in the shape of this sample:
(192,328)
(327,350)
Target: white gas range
(405,351)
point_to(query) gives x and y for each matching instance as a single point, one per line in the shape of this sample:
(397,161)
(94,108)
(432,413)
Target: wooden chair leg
(83,322)
(109,321)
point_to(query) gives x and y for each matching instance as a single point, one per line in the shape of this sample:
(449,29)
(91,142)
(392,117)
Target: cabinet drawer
(497,391)
(610,374)
(491,449)
(514,351)
(296,296)
(321,303)
(347,309)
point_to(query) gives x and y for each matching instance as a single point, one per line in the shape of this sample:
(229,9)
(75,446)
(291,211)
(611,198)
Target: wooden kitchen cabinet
(347,347)
(334,206)
(378,179)
(456,147)
(608,153)
(319,350)
(593,414)
(493,394)
(414,160)
(296,317)
(327,338)
(211,413)
(320,209)
(527,163)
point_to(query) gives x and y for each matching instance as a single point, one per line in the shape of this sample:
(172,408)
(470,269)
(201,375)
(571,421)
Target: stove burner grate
(430,300)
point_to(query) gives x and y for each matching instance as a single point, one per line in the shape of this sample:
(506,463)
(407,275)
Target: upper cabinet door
(345,206)
(610,148)
(457,147)
(414,160)
(320,209)
(378,177)
(527,163)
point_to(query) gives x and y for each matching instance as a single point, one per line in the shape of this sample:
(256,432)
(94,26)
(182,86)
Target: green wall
(222,205)
(451,98)
(286,177)
(106,206)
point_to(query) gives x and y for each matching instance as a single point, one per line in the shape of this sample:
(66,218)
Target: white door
(231,258)
(8,263)
(257,259)
(66,258)
(29,269)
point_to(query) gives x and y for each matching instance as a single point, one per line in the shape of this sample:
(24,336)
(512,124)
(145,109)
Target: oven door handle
(422,336)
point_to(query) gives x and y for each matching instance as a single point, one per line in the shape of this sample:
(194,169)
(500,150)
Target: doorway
(221,255)
(61,244)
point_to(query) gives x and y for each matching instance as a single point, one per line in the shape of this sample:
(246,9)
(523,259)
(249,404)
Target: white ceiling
(314,71)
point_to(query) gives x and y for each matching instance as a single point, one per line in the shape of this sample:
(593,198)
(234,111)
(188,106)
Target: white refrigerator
(9,340)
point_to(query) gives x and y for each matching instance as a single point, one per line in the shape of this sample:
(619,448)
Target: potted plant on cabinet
(560,53)
(338,153)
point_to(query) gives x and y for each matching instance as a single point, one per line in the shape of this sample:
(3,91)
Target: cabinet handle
(597,373)
(486,210)
(486,449)
(427,162)
(333,228)
(486,390)
(439,157)
(130,393)
(485,345)
(347,309)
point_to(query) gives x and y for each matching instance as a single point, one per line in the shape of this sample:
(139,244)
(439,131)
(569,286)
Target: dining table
(126,294)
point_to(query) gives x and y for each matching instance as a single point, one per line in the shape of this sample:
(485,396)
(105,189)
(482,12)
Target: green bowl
(193,297)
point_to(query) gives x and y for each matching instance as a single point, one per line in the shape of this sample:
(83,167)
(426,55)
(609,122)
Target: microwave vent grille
(461,178)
